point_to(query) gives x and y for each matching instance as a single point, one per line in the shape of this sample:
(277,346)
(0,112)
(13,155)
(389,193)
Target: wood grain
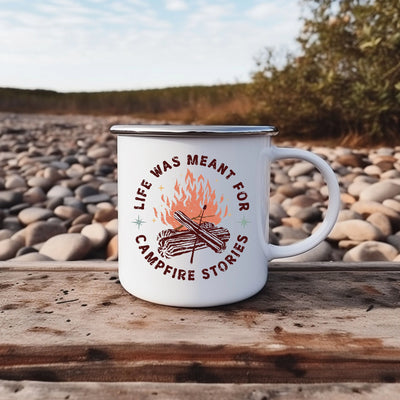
(316,325)
(29,390)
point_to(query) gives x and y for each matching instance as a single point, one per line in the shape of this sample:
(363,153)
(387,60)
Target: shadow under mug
(193,211)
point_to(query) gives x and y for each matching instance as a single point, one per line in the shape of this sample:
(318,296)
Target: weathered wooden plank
(101,265)
(80,266)
(29,390)
(335,266)
(326,326)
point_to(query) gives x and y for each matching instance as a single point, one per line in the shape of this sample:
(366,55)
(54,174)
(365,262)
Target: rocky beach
(58,194)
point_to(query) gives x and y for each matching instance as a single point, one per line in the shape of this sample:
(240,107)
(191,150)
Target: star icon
(244,222)
(161,187)
(138,222)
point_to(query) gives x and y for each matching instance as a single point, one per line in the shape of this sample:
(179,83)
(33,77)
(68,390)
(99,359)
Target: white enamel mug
(193,211)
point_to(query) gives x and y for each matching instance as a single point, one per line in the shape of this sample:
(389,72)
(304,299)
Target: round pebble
(99,152)
(9,198)
(105,214)
(34,195)
(41,231)
(67,212)
(15,181)
(85,191)
(59,192)
(290,190)
(52,174)
(39,181)
(354,229)
(356,188)
(382,222)
(8,248)
(66,247)
(380,191)
(391,203)
(373,170)
(33,214)
(109,187)
(371,251)
(75,171)
(300,168)
(96,233)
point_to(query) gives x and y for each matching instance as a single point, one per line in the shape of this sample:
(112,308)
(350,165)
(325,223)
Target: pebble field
(58,194)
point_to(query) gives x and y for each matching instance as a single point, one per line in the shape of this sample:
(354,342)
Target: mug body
(192,214)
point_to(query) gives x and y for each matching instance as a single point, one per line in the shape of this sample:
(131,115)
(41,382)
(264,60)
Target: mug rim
(155,130)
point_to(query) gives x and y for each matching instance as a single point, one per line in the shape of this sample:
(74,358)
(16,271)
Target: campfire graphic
(193,214)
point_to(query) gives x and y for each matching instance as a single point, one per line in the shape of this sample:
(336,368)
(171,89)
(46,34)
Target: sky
(97,45)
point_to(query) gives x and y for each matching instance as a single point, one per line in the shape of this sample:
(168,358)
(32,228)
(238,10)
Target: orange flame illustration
(191,199)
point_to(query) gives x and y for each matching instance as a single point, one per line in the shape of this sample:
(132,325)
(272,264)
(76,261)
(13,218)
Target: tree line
(189,104)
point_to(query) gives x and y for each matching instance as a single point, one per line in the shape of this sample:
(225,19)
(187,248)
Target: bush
(346,80)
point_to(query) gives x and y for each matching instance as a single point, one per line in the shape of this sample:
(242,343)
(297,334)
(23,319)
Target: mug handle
(274,153)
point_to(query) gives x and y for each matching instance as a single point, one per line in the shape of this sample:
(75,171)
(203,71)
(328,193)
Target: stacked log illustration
(197,236)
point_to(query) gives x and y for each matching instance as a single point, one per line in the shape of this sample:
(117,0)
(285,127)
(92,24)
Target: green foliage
(347,78)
